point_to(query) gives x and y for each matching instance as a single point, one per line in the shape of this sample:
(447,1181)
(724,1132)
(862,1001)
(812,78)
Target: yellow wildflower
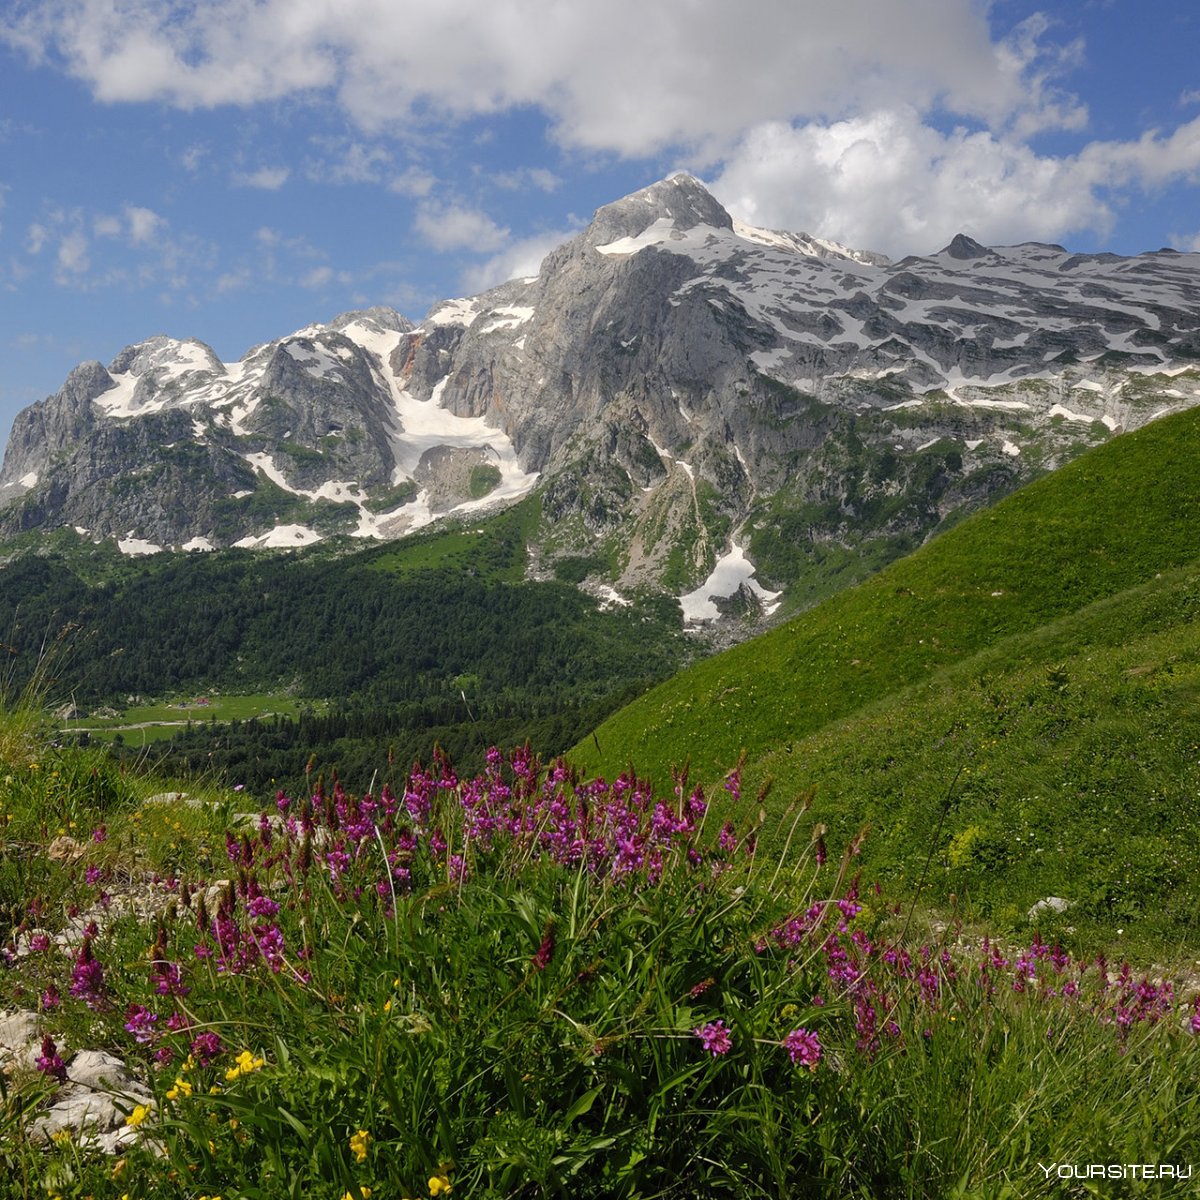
(246,1063)
(181,1088)
(358,1145)
(439,1185)
(363,1192)
(139,1114)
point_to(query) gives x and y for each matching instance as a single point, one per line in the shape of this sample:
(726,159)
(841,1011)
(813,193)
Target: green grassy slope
(1060,762)
(1013,712)
(1106,522)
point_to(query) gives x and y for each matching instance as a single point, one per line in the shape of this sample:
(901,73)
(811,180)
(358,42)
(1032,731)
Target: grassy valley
(349,654)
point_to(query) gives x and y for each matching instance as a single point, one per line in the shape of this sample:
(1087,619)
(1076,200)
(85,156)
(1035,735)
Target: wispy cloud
(458,227)
(133,246)
(517,261)
(524,179)
(343,161)
(413,181)
(268,179)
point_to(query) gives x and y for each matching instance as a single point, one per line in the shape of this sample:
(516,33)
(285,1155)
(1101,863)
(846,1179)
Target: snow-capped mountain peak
(684,389)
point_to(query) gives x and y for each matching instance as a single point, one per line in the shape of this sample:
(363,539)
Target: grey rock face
(676,383)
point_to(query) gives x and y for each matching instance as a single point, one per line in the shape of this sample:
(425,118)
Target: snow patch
(118,400)
(421,425)
(507,317)
(134,546)
(453,312)
(28,479)
(1057,410)
(282,536)
(731,571)
(653,235)
(317,361)
(769,359)
(198,543)
(609,596)
(1011,448)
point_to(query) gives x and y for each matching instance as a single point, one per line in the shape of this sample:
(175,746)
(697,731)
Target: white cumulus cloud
(889,182)
(457,227)
(624,76)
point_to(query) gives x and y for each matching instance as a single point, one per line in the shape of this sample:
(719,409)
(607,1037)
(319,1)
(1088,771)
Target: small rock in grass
(20,1042)
(1051,904)
(97,1069)
(64,849)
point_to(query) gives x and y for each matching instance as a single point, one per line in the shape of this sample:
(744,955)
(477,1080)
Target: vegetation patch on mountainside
(435,638)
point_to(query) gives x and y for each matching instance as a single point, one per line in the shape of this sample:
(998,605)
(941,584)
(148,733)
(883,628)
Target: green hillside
(1105,522)
(1018,699)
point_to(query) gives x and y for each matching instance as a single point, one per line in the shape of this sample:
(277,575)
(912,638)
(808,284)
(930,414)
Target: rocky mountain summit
(722,411)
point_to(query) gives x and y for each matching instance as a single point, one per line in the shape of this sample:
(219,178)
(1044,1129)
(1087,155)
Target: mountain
(717,410)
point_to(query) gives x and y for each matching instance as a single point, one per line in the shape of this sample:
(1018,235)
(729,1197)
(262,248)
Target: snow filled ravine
(731,571)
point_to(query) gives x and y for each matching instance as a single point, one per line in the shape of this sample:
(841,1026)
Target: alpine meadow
(707,710)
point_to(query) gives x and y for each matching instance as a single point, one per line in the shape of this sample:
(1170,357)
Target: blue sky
(235,169)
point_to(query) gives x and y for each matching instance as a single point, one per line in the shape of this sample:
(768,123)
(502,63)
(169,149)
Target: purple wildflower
(715,1037)
(140,1022)
(545,952)
(262,906)
(49,1061)
(727,839)
(803,1047)
(87,976)
(206,1047)
(166,977)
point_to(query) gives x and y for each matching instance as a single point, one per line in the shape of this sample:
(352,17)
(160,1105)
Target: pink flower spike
(715,1037)
(803,1047)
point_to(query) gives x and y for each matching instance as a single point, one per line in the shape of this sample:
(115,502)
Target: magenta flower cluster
(715,1036)
(874,977)
(438,830)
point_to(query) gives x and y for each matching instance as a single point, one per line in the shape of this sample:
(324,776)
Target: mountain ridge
(701,405)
